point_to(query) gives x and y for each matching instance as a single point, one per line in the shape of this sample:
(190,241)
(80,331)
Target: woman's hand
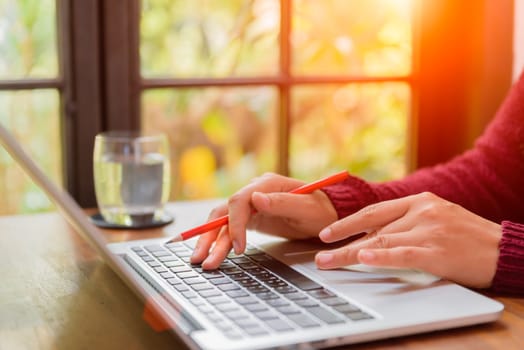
(422,231)
(264,205)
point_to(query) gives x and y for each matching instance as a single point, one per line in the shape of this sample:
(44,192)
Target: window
(299,87)
(30,98)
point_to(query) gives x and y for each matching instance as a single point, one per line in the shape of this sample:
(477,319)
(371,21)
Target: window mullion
(284,87)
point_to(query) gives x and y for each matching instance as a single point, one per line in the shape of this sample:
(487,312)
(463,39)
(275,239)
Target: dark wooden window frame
(102,83)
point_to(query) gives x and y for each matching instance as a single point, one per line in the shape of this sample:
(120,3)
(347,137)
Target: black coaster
(99,221)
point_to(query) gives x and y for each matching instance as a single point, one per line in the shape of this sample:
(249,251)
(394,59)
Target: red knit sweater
(487,180)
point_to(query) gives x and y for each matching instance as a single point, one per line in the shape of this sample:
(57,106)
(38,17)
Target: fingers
(349,254)
(206,240)
(204,243)
(400,257)
(222,246)
(367,219)
(240,207)
(219,252)
(239,214)
(278,204)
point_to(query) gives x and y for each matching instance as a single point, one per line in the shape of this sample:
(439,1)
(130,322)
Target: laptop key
(256,331)
(256,307)
(306,303)
(258,257)
(237,293)
(303,321)
(173,281)
(346,308)
(218,300)
(166,275)
(279,325)
(222,280)
(267,295)
(195,280)
(291,275)
(240,277)
(154,263)
(231,270)
(266,315)
(250,250)
(181,287)
(296,296)
(168,258)
(288,310)
(159,269)
(359,315)
(202,286)
(335,301)
(173,263)
(211,274)
(161,253)
(244,300)
(240,259)
(237,316)
(285,289)
(257,289)
(152,248)
(278,302)
(321,293)
(233,334)
(325,315)
(180,268)
(188,274)
(206,293)
(230,306)
(189,294)
(228,287)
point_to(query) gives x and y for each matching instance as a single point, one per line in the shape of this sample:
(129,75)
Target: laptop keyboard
(250,294)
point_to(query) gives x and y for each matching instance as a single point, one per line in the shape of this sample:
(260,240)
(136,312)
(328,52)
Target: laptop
(272,296)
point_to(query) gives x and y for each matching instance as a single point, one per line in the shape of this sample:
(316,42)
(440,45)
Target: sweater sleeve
(487,180)
(510,266)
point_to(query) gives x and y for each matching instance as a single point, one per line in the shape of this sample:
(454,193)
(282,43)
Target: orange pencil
(223,220)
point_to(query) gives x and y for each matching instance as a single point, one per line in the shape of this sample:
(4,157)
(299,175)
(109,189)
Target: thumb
(278,204)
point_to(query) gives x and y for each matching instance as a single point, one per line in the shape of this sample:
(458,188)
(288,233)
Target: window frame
(100,83)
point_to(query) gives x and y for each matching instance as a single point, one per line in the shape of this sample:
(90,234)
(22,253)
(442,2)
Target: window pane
(220,138)
(33,117)
(209,38)
(358,127)
(352,37)
(28,39)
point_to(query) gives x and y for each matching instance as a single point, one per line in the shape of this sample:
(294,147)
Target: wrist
(350,195)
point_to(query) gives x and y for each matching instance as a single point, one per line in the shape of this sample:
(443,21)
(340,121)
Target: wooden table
(56,293)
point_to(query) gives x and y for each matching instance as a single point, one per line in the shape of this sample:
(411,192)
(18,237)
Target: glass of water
(132,177)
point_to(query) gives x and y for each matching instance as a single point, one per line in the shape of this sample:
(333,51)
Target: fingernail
(196,251)
(236,246)
(366,256)
(326,231)
(324,258)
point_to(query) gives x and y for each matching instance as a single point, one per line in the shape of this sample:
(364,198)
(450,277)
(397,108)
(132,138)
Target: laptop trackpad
(406,275)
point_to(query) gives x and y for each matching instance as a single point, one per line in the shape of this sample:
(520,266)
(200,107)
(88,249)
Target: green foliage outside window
(222,137)
(28,49)
(359,127)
